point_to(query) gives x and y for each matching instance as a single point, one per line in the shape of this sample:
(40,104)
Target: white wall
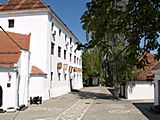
(156,78)
(140,90)
(62,86)
(36,24)
(39,25)
(9,93)
(38,86)
(23,68)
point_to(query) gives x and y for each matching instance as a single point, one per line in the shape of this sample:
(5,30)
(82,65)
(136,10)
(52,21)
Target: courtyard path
(91,103)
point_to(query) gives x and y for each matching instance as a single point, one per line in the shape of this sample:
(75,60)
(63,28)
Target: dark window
(77,61)
(59,51)
(52,26)
(65,76)
(11,23)
(59,76)
(52,48)
(65,37)
(51,76)
(70,41)
(60,32)
(74,59)
(70,57)
(64,54)
(8,84)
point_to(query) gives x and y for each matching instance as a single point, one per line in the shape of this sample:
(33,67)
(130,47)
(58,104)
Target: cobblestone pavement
(92,103)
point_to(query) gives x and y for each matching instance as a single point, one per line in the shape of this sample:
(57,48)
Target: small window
(65,76)
(65,37)
(59,76)
(8,84)
(11,23)
(65,54)
(74,59)
(70,41)
(52,26)
(77,61)
(52,48)
(51,76)
(70,57)
(60,32)
(59,51)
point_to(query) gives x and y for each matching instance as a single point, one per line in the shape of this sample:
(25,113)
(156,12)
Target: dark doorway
(1,96)
(71,85)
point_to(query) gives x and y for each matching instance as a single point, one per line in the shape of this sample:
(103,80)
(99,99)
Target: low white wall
(38,86)
(9,95)
(156,94)
(139,90)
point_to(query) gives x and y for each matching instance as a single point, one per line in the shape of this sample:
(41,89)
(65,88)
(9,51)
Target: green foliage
(116,28)
(90,64)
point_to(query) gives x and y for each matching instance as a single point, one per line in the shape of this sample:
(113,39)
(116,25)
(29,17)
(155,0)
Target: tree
(118,27)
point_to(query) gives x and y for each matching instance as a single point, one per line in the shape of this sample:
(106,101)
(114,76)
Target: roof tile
(10,48)
(37,71)
(22,4)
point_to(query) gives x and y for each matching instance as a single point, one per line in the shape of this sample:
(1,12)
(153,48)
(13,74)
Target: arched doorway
(1,96)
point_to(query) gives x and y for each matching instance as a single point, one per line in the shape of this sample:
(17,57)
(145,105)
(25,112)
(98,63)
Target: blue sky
(70,12)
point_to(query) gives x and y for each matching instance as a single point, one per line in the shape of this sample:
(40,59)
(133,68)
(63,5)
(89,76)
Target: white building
(143,87)
(54,60)
(14,58)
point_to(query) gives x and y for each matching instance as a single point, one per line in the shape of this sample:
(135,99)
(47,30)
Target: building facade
(55,65)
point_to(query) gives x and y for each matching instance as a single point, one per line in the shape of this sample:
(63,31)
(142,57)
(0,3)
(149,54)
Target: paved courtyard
(92,103)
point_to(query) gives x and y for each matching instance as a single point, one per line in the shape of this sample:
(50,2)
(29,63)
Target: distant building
(49,66)
(143,87)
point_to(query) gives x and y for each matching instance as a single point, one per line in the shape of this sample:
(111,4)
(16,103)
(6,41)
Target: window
(52,26)
(59,76)
(52,48)
(70,57)
(65,76)
(70,41)
(51,76)
(11,23)
(74,59)
(77,61)
(59,51)
(64,54)
(65,37)
(60,32)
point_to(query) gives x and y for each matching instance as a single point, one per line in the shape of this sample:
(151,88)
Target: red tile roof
(22,4)
(10,50)
(146,73)
(37,71)
(156,66)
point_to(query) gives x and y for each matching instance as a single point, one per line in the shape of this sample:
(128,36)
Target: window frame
(11,23)
(59,51)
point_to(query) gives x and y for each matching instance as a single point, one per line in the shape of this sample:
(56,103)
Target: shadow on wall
(146,110)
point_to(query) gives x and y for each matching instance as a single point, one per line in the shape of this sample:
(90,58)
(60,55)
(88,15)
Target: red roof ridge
(22,4)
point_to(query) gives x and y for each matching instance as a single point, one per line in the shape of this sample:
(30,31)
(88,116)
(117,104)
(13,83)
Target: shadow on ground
(92,95)
(145,108)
